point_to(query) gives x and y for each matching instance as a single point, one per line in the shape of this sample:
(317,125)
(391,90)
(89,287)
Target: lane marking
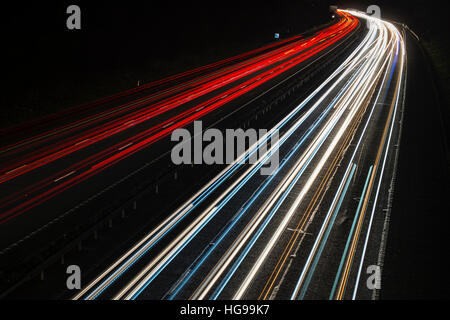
(64,176)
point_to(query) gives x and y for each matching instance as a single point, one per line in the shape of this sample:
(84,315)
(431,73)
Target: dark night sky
(114,32)
(120,36)
(118,31)
(129,36)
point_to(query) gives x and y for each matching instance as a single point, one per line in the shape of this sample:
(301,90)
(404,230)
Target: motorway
(301,232)
(309,230)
